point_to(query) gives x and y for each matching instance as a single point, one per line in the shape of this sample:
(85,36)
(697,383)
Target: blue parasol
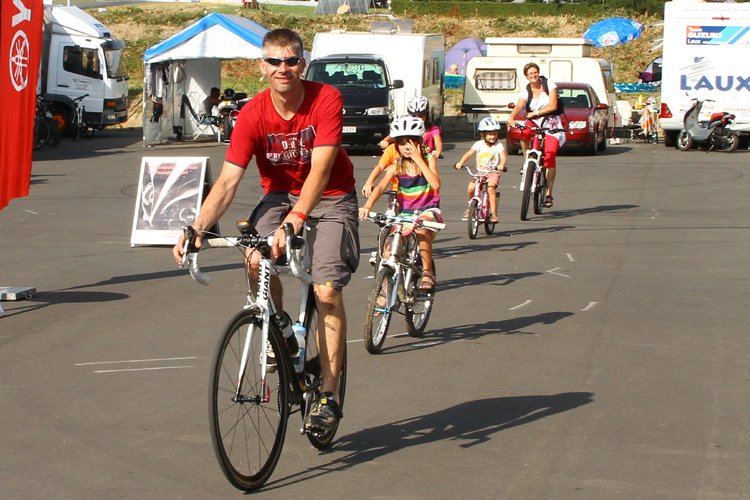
(613,31)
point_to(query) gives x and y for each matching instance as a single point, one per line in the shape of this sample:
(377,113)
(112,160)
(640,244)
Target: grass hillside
(144,25)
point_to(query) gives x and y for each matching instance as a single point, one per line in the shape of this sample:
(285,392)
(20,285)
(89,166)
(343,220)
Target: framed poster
(170,194)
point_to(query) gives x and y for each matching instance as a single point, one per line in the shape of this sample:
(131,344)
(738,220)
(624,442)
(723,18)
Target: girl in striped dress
(418,185)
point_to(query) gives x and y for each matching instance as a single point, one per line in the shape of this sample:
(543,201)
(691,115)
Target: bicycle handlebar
(539,129)
(262,243)
(379,218)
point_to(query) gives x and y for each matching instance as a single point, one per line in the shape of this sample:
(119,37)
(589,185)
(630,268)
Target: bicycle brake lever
(189,233)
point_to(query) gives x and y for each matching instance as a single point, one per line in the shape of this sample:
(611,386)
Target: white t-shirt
(538,103)
(488,157)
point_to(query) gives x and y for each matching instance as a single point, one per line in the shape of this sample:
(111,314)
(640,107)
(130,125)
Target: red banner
(21,23)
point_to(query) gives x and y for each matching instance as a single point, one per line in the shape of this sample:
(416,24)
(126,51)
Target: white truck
(79,56)
(377,73)
(705,45)
(494,82)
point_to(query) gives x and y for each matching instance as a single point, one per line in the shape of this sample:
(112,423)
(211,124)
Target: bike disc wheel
(378,318)
(540,194)
(473,219)
(247,432)
(313,372)
(526,194)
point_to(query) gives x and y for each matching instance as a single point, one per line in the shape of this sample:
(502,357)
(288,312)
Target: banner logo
(19,61)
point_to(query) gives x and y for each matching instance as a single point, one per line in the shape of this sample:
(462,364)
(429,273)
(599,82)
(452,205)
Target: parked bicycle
(46,131)
(534,178)
(479,204)
(250,399)
(79,125)
(397,281)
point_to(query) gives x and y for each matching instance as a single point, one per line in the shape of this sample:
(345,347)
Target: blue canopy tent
(188,63)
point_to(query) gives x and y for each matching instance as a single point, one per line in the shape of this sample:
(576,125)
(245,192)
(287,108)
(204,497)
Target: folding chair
(203,125)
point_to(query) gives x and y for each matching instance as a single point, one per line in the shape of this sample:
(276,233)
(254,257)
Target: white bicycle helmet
(418,105)
(407,126)
(488,124)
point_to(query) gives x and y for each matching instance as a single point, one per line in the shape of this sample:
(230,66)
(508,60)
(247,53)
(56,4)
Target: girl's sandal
(548,201)
(466,214)
(493,218)
(427,282)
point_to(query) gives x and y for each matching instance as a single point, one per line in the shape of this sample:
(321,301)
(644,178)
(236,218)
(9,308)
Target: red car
(586,119)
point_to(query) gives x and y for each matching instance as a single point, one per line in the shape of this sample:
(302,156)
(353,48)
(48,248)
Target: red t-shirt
(283,149)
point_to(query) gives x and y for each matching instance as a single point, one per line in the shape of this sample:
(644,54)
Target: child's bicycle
(250,399)
(479,204)
(397,281)
(534,178)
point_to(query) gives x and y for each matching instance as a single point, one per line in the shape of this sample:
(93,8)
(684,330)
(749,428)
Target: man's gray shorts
(333,237)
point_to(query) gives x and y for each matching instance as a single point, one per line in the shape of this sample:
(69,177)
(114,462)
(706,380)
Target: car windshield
(115,64)
(346,74)
(574,98)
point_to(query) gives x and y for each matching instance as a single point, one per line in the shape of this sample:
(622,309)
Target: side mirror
(397,84)
(601,105)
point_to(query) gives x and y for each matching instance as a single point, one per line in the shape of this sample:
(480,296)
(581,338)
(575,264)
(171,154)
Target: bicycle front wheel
(378,316)
(313,372)
(41,134)
(473,219)
(526,195)
(247,428)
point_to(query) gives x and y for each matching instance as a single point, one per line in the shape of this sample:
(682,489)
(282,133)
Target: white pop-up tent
(189,64)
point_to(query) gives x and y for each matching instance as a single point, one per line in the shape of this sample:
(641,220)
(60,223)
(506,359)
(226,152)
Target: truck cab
(365,85)
(81,57)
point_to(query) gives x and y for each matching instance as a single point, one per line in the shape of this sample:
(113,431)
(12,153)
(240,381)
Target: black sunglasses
(290,61)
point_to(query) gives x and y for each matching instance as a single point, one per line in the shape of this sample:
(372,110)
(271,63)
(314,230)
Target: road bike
(397,281)
(534,174)
(79,125)
(46,131)
(479,204)
(250,400)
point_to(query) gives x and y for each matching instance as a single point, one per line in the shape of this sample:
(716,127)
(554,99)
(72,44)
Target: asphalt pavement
(598,351)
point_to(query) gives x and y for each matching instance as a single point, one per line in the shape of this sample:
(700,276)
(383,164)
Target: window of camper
(436,71)
(426,74)
(534,49)
(495,79)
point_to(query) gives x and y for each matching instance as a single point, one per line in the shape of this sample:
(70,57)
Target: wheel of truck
(670,138)
(62,116)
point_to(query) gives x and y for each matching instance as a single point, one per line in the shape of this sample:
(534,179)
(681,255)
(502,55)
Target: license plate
(349,130)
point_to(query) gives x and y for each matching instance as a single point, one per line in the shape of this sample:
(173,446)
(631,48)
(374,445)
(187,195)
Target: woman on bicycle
(431,140)
(491,157)
(540,107)
(418,185)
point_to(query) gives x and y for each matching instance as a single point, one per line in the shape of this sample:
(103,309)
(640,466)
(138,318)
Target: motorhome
(377,73)
(704,46)
(494,82)
(79,56)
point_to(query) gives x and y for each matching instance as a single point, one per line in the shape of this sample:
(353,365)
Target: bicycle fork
(532,160)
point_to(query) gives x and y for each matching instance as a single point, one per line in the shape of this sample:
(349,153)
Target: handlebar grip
(433,225)
(195,271)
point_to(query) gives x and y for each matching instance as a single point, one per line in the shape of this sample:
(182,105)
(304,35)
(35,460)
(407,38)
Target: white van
(705,51)
(494,83)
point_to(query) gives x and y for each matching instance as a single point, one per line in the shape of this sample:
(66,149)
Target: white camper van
(494,82)
(706,46)
(377,73)
(79,56)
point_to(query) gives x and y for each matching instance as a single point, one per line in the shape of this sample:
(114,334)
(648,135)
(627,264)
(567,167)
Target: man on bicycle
(293,129)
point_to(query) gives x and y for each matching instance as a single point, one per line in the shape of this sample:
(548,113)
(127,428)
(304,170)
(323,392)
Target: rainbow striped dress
(416,196)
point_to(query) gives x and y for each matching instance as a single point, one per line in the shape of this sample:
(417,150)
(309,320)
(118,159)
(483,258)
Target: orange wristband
(299,214)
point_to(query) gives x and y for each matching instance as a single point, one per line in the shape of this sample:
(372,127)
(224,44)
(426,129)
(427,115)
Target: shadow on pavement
(472,331)
(491,279)
(468,424)
(557,214)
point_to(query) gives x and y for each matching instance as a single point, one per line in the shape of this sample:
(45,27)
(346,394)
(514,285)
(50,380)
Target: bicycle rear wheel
(247,431)
(41,134)
(540,193)
(473,219)
(526,195)
(489,227)
(418,312)
(313,372)
(378,317)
